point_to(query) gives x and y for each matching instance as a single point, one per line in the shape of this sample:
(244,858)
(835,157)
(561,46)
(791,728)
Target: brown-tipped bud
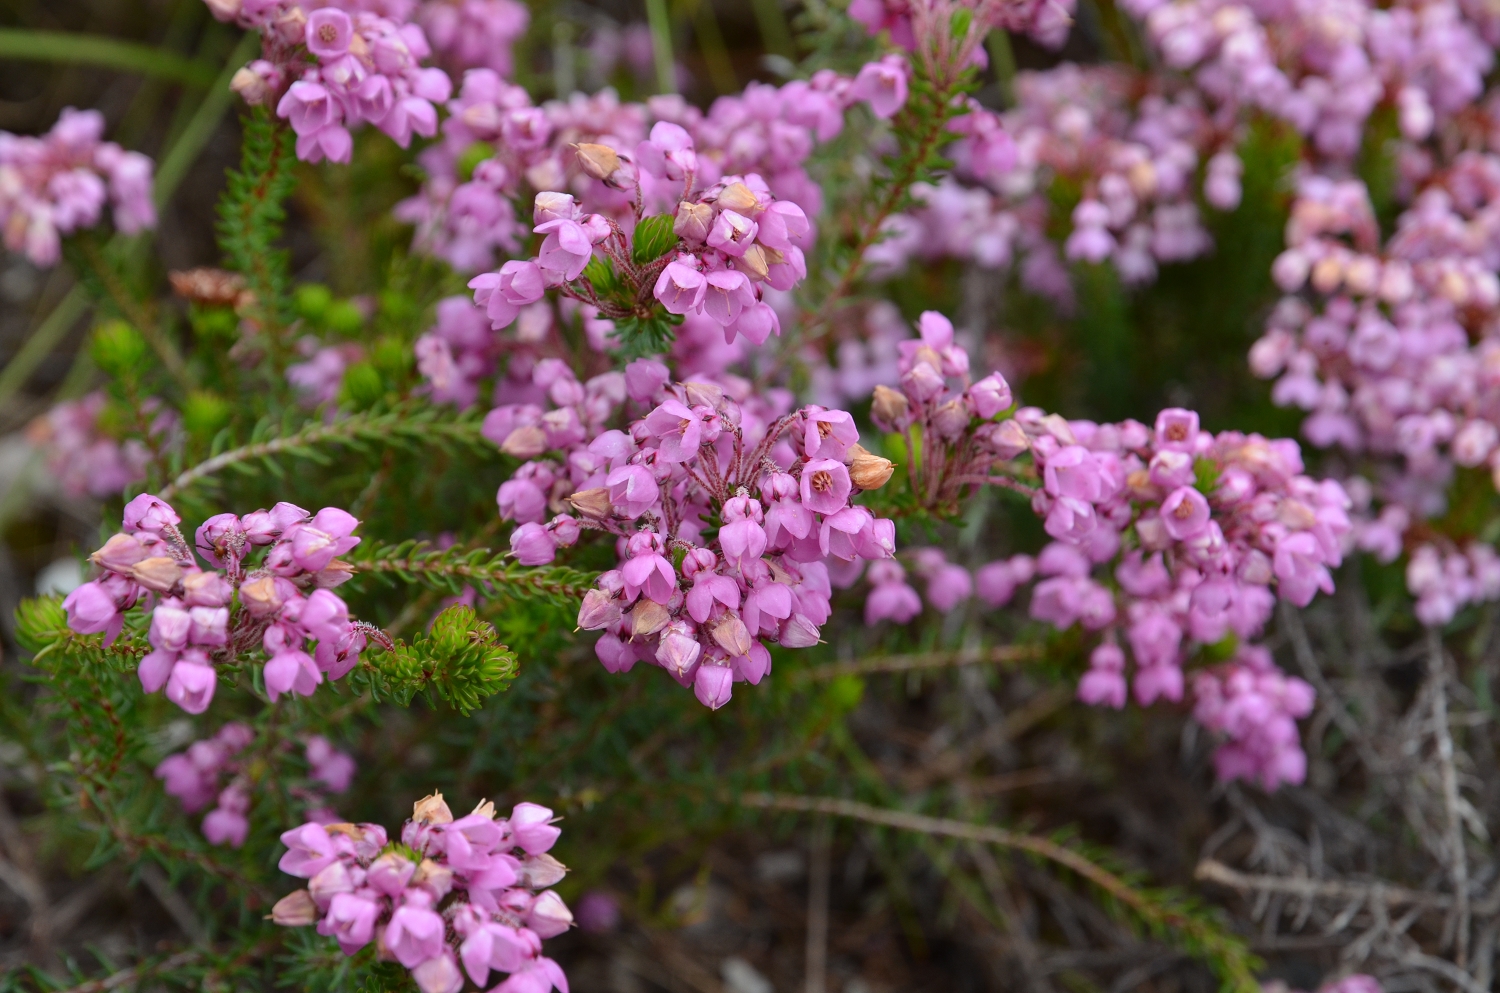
(593,503)
(296,909)
(741,199)
(436,879)
(484,808)
(525,442)
(867,470)
(647,618)
(252,87)
(157,573)
(599,161)
(431,810)
(1006,439)
(540,871)
(693,221)
(260,596)
(119,554)
(1058,427)
(754,263)
(731,634)
(335,573)
(225,10)
(951,419)
(598,611)
(1142,177)
(703,394)
(292,26)
(210,286)
(889,406)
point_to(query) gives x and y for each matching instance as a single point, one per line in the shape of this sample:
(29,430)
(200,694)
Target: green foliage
(652,239)
(204,413)
(253,210)
(119,349)
(312,301)
(451,570)
(460,659)
(640,337)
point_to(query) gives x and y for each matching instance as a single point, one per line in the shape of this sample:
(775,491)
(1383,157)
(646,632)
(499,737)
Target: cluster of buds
(344,70)
(907,21)
(713,257)
(194,776)
(948,420)
(1256,707)
(1445,583)
(779,497)
(452,897)
(58,183)
(204,617)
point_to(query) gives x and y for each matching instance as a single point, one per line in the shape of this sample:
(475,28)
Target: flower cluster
(1046,21)
(463,213)
(194,776)
(452,897)
(473,34)
(330,71)
(1131,144)
(760,513)
(951,414)
(58,183)
(82,457)
(204,617)
(1256,707)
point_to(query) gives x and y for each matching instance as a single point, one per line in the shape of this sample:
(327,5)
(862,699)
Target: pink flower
(1076,472)
(91,610)
(732,233)
(329,32)
(566,250)
(226,827)
(150,514)
(1070,519)
(677,429)
(990,396)
(632,490)
(883,85)
(414,935)
(532,829)
(825,486)
(948,586)
(827,434)
(291,671)
(713,684)
(191,685)
(1185,513)
(1177,429)
(351,919)
(309,851)
(648,571)
(680,288)
(1104,683)
(726,294)
(532,544)
(1299,567)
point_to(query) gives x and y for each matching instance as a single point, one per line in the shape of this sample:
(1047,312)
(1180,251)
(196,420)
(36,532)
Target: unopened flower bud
(525,442)
(693,221)
(436,879)
(541,871)
(754,263)
(867,470)
(261,597)
(950,420)
(700,394)
(598,611)
(431,810)
(731,634)
(119,554)
(647,618)
(296,909)
(593,503)
(158,573)
(599,161)
(739,198)
(889,406)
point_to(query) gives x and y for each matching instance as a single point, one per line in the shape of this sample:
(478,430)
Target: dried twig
(1459,864)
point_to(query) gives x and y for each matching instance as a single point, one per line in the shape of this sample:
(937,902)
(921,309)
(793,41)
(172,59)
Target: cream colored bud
(693,221)
(251,86)
(540,871)
(754,263)
(296,909)
(647,618)
(437,879)
(157,573)
(741,199)
(525,442)
(335,573)
(1058,427)
(431,810)
(485,808)
(703,394)
(1327,274)
(867,470)
(889,405)
(731,634)
(593,503)
(599,161)
(1142,178)
(260,596)
(224,10)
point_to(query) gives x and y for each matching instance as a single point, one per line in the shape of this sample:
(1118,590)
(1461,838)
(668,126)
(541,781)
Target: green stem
(109,53)
(661,45)
(135,313)
(43,340)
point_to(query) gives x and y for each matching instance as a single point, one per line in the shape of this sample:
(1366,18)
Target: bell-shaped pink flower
(414,935)
(309,851)
(713,684)
(192,682)
(1185,513)
(531,828)
(825,486)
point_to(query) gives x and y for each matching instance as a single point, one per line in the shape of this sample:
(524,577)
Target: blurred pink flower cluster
(58,183)
(456,896)
(194,776)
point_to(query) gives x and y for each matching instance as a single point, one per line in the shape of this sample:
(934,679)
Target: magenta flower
(681,288)
(1104,683)
(882,85)
(990,396)
(226,827)
(414,935)
(329,32)
(825,486)
(647,570)
(1076,472)
(566,250)
(291,671)
(727,292)
(532,544)
(351,920)
(678,430)
(1177,429)
(632,490)
(1300,571)
(732,233)
(192,682)
(1185,513)
(91,610)
(828,434)
(713,684)
(150,514)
